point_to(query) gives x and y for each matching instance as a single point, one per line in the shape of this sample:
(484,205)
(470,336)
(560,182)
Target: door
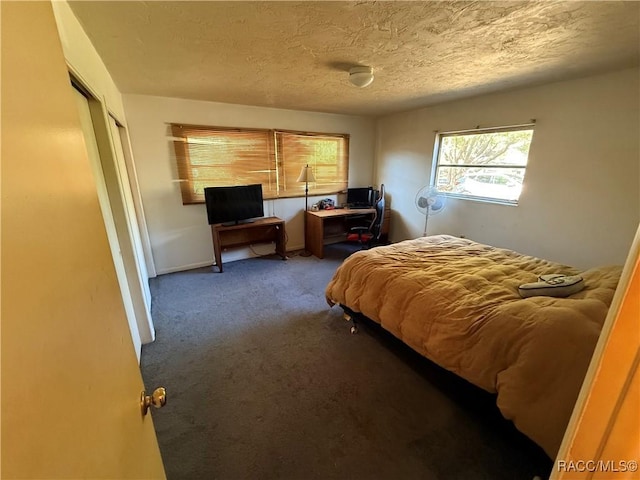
(107,215)
(113,185)
(70,380)
(126,189)
(134,189)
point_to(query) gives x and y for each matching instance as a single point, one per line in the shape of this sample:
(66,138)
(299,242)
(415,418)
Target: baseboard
(182,268)
(227,257)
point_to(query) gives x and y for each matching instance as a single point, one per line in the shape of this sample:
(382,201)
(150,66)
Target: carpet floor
(265,381)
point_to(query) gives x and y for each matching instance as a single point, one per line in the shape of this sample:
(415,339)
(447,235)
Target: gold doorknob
(158,399)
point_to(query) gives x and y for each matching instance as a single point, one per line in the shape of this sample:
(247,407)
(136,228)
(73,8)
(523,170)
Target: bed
(456,302)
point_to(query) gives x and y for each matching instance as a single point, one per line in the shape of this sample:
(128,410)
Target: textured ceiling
(297,54)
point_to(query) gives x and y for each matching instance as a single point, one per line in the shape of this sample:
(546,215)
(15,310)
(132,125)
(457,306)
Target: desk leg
(313,235)
(217,249)
(281,248)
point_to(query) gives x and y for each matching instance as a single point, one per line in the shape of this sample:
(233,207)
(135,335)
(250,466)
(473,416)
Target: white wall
(180,236)
(580,203)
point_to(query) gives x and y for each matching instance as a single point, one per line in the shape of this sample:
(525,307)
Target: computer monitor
(360,197)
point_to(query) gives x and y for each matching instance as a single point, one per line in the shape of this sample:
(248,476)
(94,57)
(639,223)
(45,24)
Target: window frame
(273,153)
(475,131)
(313,190)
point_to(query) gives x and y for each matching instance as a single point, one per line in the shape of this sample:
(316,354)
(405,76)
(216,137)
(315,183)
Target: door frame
(124,213)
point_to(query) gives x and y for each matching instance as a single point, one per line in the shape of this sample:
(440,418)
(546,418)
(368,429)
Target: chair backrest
(376,224)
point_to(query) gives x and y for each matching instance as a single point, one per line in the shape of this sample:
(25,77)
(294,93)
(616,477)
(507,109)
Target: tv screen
(359,197)
(233,204)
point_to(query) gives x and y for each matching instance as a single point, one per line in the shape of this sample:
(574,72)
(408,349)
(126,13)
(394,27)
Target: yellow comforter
(456,302)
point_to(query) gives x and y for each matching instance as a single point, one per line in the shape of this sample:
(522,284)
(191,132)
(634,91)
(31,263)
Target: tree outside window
(483,164)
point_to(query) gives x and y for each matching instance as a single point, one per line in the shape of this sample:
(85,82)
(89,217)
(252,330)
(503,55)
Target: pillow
(552,285)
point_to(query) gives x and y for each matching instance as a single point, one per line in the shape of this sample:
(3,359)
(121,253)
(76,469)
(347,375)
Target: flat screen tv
(233,205)
(360,197)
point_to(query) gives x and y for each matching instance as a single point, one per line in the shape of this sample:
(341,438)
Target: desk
(329,226)
(262,230)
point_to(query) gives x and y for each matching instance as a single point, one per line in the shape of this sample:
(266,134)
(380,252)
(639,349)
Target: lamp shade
(361,76)
(306,174)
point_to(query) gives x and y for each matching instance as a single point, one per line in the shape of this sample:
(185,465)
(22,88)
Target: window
(326,154)
(218,156)
(486,164)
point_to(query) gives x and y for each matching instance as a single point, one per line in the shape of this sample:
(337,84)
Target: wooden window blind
(213,156)
(326,154)
(221,156)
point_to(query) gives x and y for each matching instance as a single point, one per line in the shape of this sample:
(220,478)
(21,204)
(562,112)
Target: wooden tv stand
(262,230)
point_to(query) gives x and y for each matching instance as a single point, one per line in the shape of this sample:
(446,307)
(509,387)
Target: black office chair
(370,235)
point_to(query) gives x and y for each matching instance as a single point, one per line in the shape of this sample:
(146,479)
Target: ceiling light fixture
(361,76)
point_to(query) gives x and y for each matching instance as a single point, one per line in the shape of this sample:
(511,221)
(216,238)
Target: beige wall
(180,236)
(581,199)
(580,203)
